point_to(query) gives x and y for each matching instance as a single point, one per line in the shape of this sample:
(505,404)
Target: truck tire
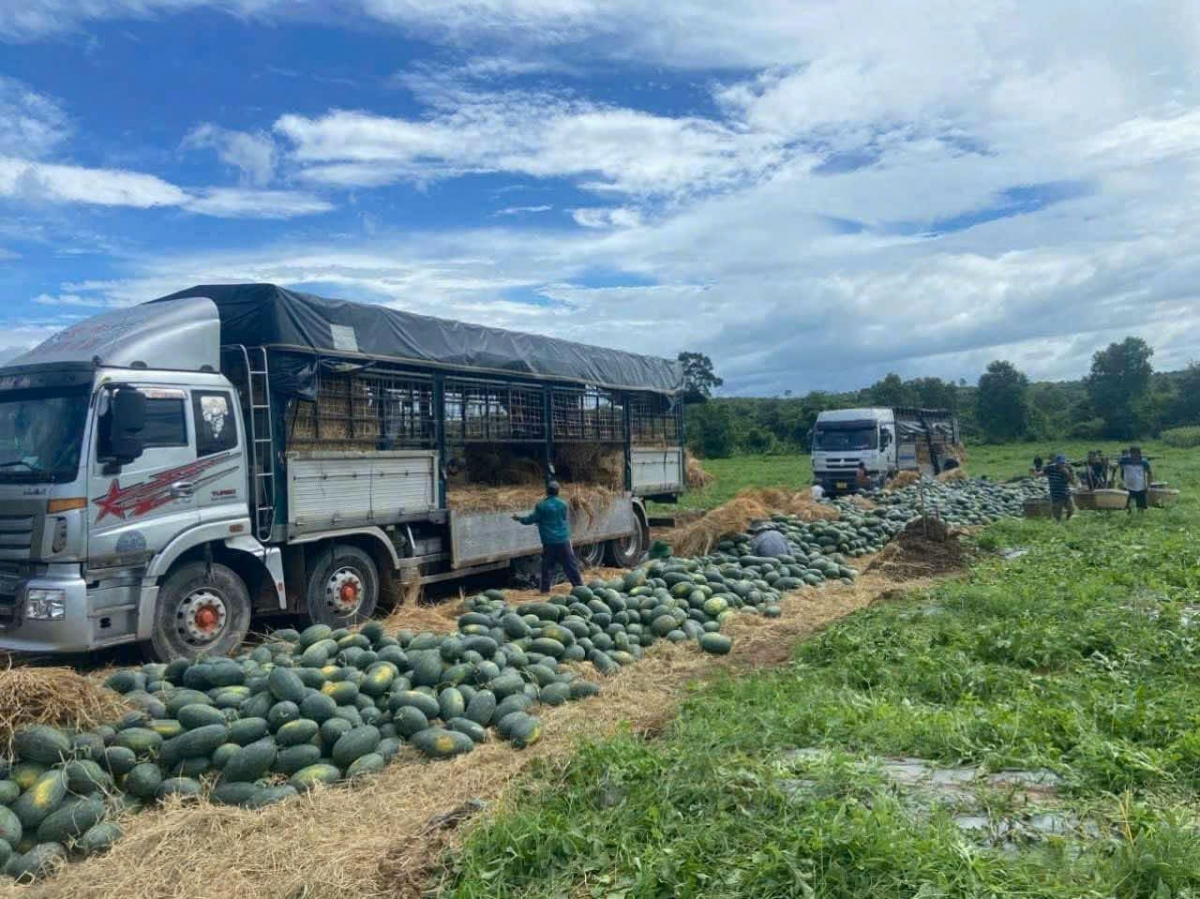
(626,552)
(343,586)
(202,608)
(591,555)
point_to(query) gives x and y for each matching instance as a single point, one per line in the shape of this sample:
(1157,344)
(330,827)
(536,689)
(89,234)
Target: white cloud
(227,202)
(68,299)
(25,20)
(862,191)
(253,155)
(38,182)
(541,135)
(599,217)
(49,183)
(31,124)
(522,210)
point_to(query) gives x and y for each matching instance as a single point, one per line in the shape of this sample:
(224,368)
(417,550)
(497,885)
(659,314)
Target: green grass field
(1077,658)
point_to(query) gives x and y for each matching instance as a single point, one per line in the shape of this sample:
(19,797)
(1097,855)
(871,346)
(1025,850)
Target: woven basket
(1085,499)
(1162,496)
(1110,500)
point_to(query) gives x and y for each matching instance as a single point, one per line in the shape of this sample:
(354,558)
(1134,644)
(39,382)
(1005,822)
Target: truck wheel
(201,608)
(343,586)
(590,556)
(626,552)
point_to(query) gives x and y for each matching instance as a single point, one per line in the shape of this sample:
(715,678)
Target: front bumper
(106,617)
(836,483)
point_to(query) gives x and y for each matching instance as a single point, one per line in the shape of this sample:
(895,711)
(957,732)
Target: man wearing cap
(1135,475)
(553,521)
(1060,477)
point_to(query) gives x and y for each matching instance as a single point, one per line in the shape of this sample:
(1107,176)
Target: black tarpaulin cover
(267,315)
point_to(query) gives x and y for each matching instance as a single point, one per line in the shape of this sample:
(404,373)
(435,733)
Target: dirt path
(384,838)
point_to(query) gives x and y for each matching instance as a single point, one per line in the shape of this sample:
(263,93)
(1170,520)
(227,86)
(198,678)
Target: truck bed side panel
(328,490)
(482,537)
(657,470)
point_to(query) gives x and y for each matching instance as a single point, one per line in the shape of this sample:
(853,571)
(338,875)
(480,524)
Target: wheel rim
(201,617)
(629,547)
(344,591)
(592,555)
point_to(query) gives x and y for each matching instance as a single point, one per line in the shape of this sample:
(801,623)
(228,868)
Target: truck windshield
(834,439)
(41,434)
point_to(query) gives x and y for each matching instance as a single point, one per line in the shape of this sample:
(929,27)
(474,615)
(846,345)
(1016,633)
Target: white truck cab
(842,438)
(122,453)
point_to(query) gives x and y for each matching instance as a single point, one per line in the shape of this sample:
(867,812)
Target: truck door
(221,489)
(887,448)
(138,510)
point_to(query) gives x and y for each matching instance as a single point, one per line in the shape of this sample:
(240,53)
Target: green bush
(1182,438)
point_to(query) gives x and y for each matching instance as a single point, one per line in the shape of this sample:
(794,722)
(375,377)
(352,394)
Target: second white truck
(885,440)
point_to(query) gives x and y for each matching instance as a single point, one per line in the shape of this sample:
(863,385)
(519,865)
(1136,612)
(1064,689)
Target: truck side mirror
(885,439)
(128,419)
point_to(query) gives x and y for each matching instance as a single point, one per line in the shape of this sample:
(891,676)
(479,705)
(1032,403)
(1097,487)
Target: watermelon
(294,733)
(716,643)
(99,838)
(42,860)
(296,758)
(71,820)
(354,744)
(439,743)
(251,763)
(320,773)
(40,800)
(265,796)
(371,763)
(41,744)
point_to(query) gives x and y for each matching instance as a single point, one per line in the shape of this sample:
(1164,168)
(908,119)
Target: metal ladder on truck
(261,436)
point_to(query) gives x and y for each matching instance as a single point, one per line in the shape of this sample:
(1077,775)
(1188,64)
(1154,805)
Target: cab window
(216,425)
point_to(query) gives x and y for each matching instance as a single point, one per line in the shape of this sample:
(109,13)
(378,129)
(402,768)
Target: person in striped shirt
(1060,477)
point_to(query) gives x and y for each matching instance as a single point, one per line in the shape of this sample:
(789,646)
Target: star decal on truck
(146,496)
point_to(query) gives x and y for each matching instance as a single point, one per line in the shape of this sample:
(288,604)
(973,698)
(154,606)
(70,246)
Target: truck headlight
(46,605)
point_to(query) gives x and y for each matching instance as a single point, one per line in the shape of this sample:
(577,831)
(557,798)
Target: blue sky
(813,192)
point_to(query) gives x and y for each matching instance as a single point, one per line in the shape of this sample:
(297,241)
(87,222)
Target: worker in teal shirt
(553,519)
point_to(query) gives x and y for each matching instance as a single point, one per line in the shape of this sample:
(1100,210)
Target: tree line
(1121,398)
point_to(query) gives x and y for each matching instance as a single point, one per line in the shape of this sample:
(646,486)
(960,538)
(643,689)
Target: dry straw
(57,696)
(902,480)
(697,477)
(699,537)
(954,474)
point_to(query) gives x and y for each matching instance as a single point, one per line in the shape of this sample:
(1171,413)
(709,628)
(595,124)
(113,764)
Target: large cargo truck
(170,470)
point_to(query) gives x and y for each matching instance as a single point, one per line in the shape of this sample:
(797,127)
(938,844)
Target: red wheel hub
(207,618)
(349,593)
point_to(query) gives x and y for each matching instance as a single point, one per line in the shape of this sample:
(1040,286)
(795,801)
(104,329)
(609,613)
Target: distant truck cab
(169,470)
(885,440)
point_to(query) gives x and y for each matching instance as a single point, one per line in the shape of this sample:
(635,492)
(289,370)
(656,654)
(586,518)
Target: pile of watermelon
(324,706)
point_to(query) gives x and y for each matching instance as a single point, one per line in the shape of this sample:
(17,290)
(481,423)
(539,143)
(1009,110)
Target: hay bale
(57,696)
(954,474)
(589,499)
(591,463)
(697,477)
(735,517)
(902,480)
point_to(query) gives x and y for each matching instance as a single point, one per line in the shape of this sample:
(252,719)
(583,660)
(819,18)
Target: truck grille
(16,536)
(9,581)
